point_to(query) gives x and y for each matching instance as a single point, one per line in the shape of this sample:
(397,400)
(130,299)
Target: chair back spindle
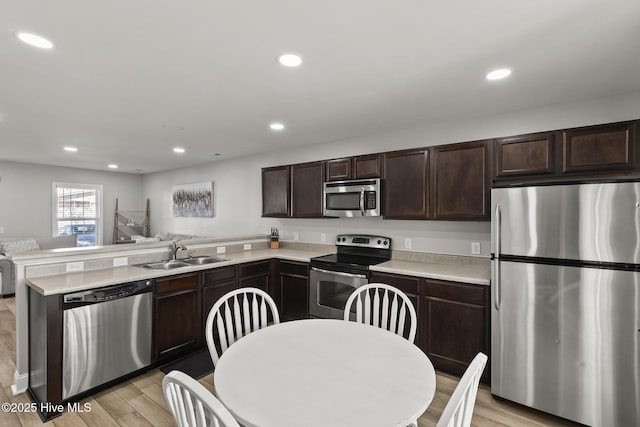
(235,315)
(459,409)
(383,306)
(192,405)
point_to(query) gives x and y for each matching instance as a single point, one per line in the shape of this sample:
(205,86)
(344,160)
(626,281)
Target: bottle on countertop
(275,243)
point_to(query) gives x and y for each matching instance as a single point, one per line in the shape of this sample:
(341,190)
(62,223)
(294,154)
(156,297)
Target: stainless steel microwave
(358,197)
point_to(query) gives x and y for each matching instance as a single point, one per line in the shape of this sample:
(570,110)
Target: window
(77,209)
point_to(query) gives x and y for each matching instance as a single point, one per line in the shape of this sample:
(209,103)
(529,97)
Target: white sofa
(12,246)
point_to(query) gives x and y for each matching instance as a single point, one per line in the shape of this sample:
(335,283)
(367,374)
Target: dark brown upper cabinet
(406,184)
(366,166)
(525,155)
(461,181)
(276,190)
(339,169)
(307,183)
(600,148)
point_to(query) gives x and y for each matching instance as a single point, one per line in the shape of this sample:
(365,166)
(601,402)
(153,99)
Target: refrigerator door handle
(497,292)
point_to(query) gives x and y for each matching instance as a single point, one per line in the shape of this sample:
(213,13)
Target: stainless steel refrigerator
(565,298)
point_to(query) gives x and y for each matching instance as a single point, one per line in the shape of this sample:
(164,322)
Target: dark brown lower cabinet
(294,290)
(455,324)
(176,313)
(411,287)
(453,319)
(215,284)
(255,275)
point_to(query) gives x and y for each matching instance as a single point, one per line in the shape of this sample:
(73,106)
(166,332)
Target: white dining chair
(388,311)
(459,409)
(192,405)
(237,314)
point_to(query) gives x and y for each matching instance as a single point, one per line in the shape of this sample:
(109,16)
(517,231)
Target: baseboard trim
(20,383)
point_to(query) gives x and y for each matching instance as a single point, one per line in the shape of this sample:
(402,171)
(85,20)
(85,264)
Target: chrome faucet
(176,248)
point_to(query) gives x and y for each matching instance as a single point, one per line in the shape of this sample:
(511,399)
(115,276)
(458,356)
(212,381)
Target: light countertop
(474,273)
(465,273)
(73,282)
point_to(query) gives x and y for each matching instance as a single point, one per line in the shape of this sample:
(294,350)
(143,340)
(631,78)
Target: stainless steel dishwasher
(107,334)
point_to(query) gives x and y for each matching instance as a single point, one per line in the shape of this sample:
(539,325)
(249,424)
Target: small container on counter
(275,239)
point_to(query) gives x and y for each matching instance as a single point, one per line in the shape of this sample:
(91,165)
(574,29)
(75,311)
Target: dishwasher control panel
(107,293)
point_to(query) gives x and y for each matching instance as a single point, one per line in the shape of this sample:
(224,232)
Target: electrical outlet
(323,238)
(295,235)
(475,248)
(221,249)
(247,246)
(1,230)
(407,243)
(121,261)
(75,266)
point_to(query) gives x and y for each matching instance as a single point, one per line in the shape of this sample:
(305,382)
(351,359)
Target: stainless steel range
(334,277)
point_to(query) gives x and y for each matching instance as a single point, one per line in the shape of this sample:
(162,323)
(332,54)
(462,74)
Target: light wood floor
(140,402)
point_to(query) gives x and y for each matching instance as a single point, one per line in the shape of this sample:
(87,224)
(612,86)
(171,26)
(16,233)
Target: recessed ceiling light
(70,149)
(178,150)
(276,126)
(290,60)
(112,166)
(499,74)
(35,40)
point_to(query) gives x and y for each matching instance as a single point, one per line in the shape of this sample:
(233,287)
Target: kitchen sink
(199,260)
(166,265)
(171,264)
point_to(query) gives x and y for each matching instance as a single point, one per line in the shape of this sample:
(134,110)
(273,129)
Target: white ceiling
(128,80)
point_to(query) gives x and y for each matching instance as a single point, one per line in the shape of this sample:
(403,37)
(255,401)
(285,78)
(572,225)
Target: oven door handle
(338,273)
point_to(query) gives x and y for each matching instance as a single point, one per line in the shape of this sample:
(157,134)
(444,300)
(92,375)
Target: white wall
(237,182)
(26,190)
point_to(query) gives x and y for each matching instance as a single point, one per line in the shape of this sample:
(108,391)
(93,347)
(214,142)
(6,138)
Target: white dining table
(325,373)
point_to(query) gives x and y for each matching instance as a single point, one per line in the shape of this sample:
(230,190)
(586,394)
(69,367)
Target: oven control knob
(379,241)
(386,242)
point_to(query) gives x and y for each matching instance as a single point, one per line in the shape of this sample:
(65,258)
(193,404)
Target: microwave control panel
(370,200)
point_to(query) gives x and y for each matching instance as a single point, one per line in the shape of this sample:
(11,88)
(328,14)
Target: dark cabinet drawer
(219,274)
(253,269)
(294,268)
(407,284)
(459,292)
(176,283)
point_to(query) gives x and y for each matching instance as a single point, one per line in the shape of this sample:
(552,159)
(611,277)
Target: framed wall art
(193,200)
